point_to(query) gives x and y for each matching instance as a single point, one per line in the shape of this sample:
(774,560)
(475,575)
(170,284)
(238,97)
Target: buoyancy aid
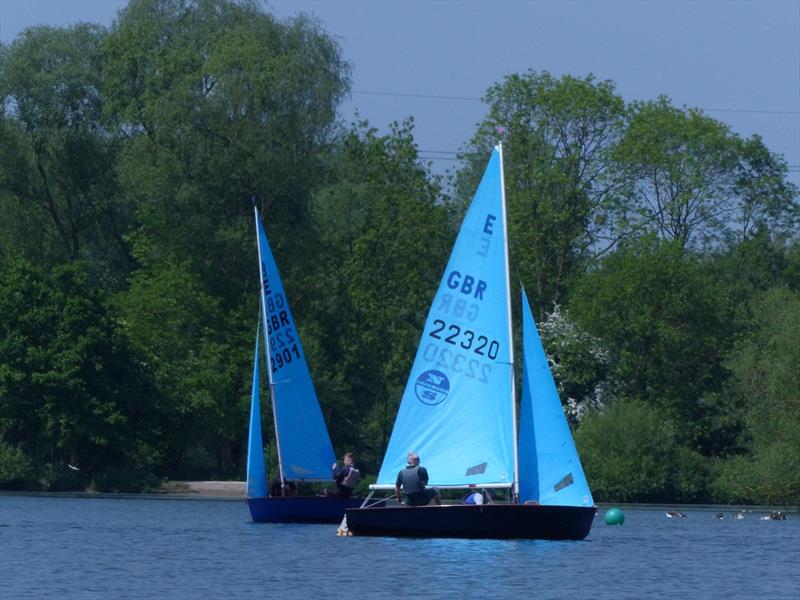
(411,481)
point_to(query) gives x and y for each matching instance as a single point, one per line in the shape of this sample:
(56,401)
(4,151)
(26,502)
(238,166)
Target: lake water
(83,548)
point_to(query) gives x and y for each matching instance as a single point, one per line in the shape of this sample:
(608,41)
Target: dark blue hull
(497,521)
(300,509)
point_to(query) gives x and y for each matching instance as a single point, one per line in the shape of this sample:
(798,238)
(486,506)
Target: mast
(515,483)
(265,318)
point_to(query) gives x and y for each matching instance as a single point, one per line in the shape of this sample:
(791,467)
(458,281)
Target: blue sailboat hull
(300,509)
(496,521)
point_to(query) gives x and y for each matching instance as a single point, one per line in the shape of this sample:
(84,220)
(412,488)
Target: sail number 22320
(464,338)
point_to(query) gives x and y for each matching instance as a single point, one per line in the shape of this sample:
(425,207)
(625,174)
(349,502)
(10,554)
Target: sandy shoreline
(179,490)
(209,489)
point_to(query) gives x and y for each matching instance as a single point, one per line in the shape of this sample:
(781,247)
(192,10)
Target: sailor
(346,477)
(413,481)
(481,497)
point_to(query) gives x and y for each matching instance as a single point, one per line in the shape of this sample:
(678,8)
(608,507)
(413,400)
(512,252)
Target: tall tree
(765,381)
(562,187)
(57,176)
(385,234)
(694,181)
(72,390)
(218,99)
(662,316)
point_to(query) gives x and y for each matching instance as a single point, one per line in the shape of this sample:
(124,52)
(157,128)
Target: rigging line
(749,110)
(790,168)
(472,99)
(453,159)
(428,96)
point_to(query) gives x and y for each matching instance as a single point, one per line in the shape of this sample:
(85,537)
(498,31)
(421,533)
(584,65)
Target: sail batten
(455,408)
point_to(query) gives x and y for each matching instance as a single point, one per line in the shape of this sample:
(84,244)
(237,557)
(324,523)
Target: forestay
(457,408)
(550,470)
(304,447)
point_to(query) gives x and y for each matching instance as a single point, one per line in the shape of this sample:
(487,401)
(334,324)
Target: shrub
(15,468)
(630,454)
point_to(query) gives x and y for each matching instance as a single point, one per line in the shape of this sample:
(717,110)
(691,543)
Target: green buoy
(614,516)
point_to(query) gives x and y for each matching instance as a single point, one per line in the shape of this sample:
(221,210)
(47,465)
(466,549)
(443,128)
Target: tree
(660,313)
(580,365)
(695,182)
(185,338)
(766,382)
(385,236)
(57,175)
(630,453)
(560,177)
(220,100)
(71,389)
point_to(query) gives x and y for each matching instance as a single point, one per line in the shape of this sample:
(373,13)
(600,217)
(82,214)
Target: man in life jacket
(413,481)
(346,477)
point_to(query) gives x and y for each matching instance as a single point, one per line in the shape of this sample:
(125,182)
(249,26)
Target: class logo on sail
(432,387)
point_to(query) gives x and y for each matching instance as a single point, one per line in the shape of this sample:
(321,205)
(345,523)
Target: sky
(739,61)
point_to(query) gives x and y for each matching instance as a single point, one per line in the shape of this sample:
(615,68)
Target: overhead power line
(471,99)
(429,96)
(424,154)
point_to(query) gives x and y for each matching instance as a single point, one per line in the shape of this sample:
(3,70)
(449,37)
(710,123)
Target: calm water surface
(122,548)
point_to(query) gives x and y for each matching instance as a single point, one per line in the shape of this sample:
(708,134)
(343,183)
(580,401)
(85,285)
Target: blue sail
(550,470)
(256,470)
(304,447)
(457,410)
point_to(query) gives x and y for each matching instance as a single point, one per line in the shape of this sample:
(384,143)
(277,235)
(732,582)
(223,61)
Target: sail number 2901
(284,349)
(464,338)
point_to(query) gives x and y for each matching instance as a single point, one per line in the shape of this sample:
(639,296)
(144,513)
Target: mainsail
(550,470)
(304,447)
(457,409)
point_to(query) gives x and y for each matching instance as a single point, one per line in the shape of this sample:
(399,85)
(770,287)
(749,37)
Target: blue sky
(737,60)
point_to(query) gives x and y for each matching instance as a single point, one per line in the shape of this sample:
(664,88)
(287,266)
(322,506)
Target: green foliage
(628,453)
(125,480)
(631,452)
(221,100)
(659,312)
(692,478)
(766,382)
(58,477)
(561,183)
(71,390)
(384,241)
(695,182)
(16,471)
(58,174)
(579,362)
(184,337)
(128,279)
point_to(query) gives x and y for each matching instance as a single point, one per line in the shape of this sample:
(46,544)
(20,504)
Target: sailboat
(459,413)
(304,449)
